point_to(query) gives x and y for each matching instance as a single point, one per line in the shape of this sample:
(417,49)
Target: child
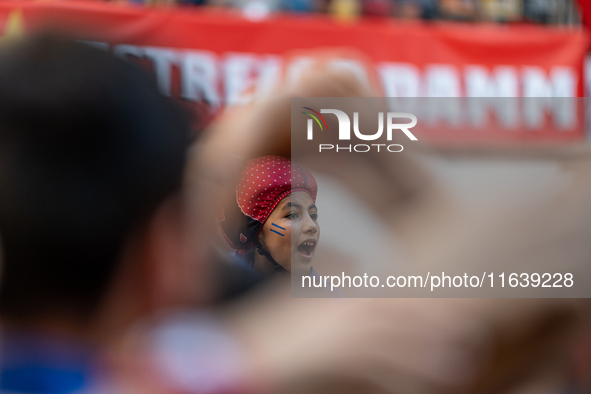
(276,226)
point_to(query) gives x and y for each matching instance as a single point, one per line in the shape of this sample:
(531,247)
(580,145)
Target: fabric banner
(220,58)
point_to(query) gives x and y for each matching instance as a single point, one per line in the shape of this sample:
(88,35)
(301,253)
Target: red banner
(216,56)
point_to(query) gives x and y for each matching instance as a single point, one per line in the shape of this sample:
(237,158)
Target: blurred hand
(393,345)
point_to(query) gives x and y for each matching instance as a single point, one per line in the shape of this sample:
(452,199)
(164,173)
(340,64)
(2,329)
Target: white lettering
(238,78)
(355,148)
(371,137)
(401,126)
(400,79)
(199,77)
(344,123)
(162,60)
(442,81)
(269,72)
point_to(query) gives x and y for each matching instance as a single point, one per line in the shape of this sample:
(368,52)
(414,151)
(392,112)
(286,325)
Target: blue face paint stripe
(303,173)
(277,232)
(273,224)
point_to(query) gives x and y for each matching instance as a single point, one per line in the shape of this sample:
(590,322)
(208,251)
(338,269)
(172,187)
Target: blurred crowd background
(547,12)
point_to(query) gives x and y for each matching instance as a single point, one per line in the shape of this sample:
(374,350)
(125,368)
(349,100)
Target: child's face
(291,232)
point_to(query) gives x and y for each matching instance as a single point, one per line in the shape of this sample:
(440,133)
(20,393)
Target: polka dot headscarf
(260,188)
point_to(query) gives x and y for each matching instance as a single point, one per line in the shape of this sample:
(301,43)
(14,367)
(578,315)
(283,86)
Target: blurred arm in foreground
(98,234)
(464,345)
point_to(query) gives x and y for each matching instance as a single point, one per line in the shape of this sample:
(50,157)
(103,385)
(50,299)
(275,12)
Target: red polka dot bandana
(260,188)
(266,181)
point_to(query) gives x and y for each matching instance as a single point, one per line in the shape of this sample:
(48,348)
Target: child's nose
(310,226)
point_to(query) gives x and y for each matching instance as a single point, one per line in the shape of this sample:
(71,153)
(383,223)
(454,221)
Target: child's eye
(314,216)
(292,215)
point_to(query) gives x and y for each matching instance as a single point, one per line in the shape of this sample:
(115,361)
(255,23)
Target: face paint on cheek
(279,227)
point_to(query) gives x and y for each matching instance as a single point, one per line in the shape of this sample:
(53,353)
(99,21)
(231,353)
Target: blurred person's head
(91,162)
(277,227)
(410,9)
(377,7)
